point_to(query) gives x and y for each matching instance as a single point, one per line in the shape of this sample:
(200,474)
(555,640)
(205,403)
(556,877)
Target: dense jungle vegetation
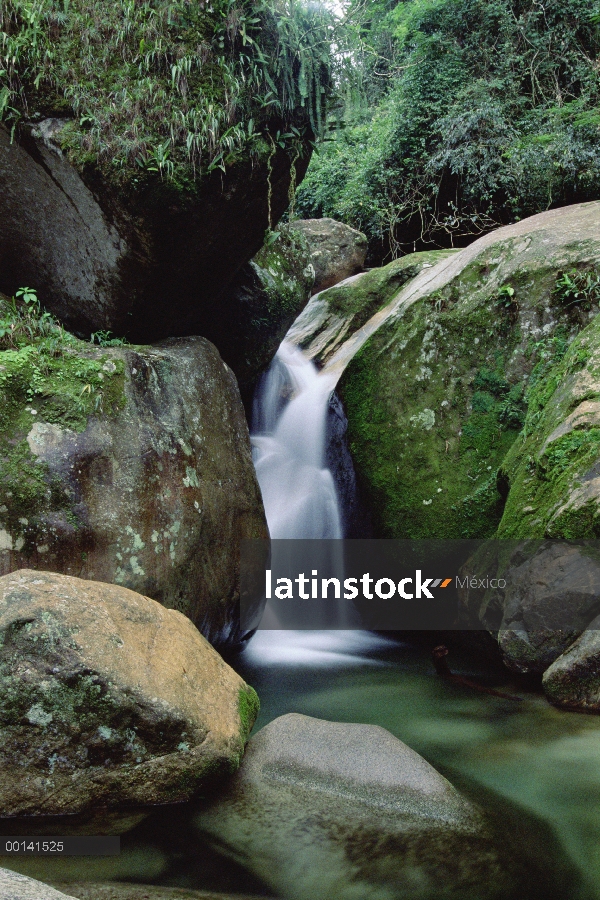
(461,115)
(442,118)
(167,88)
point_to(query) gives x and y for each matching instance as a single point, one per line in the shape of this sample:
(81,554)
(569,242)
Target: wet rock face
(108,700)
(257,310)
(336,250)
(153,491)
(326,809)
(147,267)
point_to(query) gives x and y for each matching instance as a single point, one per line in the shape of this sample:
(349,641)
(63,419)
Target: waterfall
(288,440)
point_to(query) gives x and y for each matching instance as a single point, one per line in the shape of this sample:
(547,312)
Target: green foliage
(477,113)
(104,339)
(166,88)
(578,288)
(41,363)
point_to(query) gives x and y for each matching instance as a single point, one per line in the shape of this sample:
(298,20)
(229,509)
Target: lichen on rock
(108,700)
(130,465)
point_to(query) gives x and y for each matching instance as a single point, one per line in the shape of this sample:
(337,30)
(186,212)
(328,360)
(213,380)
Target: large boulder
(18,887)
(551,476)
(546,594)
(108,700)
(129,465)
(439,393)
(146,265)
(336,250)
(325,809)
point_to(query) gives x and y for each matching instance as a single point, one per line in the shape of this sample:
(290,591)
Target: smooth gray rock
(18,887)
(323,810)
(549,600)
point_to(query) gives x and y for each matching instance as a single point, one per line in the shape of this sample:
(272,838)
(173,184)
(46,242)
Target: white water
(288,440)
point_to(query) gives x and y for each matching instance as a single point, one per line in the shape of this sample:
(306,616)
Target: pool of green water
(545,761)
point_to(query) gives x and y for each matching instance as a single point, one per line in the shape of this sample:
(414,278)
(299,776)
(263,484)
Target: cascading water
(289,433)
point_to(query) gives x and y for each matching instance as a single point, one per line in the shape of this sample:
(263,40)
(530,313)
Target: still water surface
(542,759)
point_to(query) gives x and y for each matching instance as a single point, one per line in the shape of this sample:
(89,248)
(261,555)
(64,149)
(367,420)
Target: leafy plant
(578,288)
(167,88)
(104,339)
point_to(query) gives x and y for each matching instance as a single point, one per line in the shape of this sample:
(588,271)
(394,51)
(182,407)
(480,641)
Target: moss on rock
(256,312)
(156,90)
(344,309)
(438,396)
(552,470)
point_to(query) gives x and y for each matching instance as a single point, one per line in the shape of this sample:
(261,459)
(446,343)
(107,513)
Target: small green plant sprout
(104,339)
(271,237)
(578,288)
(505,295)
(506,303)
(29,296)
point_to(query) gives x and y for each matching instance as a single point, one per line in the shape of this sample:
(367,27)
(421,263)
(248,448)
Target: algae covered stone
(552,473)
(130,465)
(438,395)
(342,310)
(108,700)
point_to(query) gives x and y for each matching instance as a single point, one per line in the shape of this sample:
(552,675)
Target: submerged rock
(326,809)
(18,887)
(129,465)
(336,250)
(108,700)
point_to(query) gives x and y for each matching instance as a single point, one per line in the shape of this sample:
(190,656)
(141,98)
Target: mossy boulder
(440,392)
(336,251)
(159,141)
(334,314)
(552,472)
(108,700)
(130,465)
(256,312)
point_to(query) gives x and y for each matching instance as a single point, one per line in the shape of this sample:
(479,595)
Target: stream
(529,754)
